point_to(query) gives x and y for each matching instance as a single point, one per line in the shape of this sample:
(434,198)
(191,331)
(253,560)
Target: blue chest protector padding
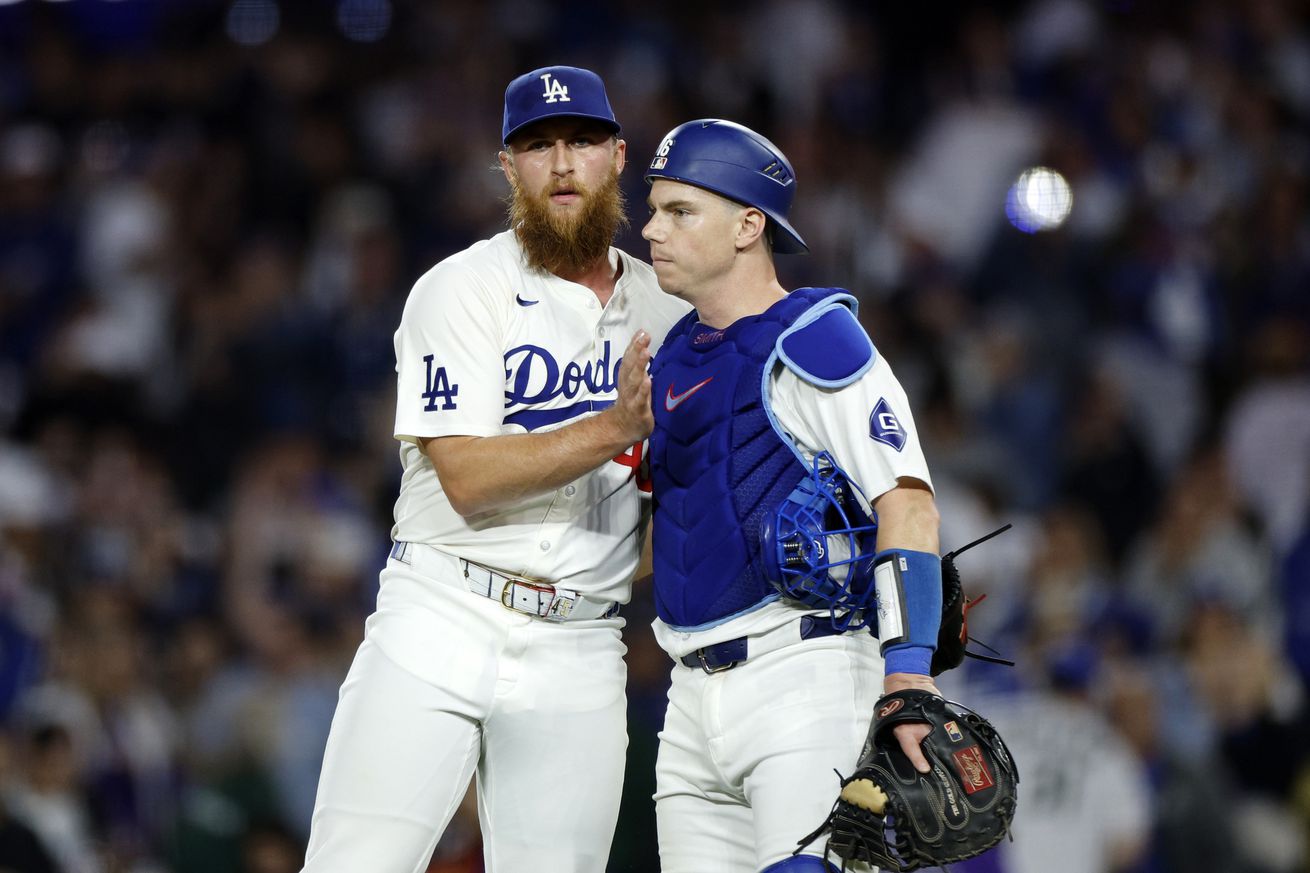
(717,462)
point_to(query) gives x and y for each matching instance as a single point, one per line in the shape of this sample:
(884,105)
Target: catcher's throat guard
(818,546)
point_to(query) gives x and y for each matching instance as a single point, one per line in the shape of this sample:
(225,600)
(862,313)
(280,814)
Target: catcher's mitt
(890,815)
(953,634)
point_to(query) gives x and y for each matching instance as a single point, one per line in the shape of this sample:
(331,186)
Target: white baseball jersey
(488,347)
(869,430)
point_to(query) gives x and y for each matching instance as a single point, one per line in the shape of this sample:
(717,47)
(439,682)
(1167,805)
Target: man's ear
(620,159)
(507,166)
(750,227)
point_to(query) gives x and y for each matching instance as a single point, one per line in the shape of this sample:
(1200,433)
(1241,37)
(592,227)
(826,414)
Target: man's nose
(561,159)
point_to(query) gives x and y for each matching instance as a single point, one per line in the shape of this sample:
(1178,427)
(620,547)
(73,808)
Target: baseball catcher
(890,815)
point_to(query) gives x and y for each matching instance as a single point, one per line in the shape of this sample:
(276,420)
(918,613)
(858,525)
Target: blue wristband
(906,658)
(909,586)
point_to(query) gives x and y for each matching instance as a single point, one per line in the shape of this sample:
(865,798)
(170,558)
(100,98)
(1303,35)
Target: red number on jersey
(633,458)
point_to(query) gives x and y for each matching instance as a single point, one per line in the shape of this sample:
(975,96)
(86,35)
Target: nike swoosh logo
(518,298)
(673,401)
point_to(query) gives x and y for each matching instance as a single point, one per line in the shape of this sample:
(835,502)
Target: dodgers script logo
(556,91)
(533,376)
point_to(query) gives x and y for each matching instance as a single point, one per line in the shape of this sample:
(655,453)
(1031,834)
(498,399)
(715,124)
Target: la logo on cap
(556,91)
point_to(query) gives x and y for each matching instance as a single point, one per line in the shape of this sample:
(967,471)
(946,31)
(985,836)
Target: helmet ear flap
(818,546)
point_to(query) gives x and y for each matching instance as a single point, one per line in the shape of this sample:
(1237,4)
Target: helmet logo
(662,156)
(556,91)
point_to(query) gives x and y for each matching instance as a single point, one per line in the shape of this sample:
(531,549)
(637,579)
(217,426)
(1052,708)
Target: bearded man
(522,410)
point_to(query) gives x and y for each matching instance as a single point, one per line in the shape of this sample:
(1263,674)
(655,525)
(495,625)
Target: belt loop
(807,626)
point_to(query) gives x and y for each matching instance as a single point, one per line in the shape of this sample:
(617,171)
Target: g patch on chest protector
(828,347)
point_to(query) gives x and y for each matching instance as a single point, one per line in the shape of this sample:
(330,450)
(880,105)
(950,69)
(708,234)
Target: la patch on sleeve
(885,427)
(439,387)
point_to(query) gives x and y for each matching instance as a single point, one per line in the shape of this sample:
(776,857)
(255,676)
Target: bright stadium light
(1040,199)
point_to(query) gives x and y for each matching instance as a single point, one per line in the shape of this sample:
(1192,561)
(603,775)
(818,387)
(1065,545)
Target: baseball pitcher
(522,406)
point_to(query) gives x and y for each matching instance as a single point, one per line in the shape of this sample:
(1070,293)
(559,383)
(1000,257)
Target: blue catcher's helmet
(818,546)
(734,162)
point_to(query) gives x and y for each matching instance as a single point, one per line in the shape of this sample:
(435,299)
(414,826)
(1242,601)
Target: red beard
(566,244)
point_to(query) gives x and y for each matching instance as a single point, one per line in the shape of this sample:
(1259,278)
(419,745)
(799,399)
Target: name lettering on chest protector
(532,375)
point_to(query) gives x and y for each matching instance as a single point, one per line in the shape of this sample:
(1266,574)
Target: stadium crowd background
(211,213)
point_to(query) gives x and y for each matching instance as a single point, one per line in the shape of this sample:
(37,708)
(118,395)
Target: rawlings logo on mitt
(890,815)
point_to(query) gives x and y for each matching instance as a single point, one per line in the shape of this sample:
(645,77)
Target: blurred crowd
(210,216)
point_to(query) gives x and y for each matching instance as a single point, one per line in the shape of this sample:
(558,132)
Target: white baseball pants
(747,755)
(447,683)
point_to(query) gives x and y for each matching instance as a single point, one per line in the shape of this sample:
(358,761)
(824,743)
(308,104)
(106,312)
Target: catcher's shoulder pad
(827,346)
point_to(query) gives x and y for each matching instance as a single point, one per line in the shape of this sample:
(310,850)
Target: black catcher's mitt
(890,815)
(953,634)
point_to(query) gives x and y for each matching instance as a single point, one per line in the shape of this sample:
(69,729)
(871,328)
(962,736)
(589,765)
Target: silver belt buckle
(704,665)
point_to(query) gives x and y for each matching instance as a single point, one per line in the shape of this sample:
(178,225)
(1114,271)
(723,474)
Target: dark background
(211,213)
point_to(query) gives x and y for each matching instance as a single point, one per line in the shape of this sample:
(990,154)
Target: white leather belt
(539,599)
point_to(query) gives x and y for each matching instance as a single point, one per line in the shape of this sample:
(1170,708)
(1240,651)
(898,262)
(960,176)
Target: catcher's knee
(801,864)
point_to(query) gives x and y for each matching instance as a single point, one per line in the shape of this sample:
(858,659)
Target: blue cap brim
(608,122)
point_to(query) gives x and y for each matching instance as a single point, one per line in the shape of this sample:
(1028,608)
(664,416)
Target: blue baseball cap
(552,92)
